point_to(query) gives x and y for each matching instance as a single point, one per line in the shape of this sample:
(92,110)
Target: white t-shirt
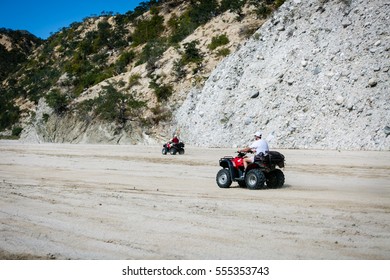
(261,146)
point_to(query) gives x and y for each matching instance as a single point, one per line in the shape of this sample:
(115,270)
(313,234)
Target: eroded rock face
(316,75)
(48,127)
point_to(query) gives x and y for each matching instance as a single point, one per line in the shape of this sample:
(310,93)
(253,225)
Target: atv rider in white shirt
(257,147)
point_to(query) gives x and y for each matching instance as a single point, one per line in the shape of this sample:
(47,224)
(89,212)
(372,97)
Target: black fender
(259,165)
(228,164)
(254,165)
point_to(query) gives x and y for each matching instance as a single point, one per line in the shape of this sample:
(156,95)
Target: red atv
(173,148)
(262,170)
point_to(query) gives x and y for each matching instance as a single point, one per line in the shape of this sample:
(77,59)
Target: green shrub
(234,6)
(35,82)
(78,65)
(265,7)
(162,92)
(160,114)
(9,113)
(114,106)
(131,16)
(263,11)
(57,101)
(95,40)
(99,59)
(223,52)
(181,27)
(151,52)
(202,11)
(279,3)
(134,80)
(179,69)
(217,41)
(191,53)
(86,107)
(108,104)
(16,131)
(45,117)
(124,59)
(147,30)
(91,78)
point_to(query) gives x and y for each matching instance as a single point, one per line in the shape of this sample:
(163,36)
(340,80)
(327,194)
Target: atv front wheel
(164,151)
(173,151)
(275,179)
(255,179)
(223,178)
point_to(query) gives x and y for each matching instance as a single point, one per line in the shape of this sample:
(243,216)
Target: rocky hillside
(119,78)
(315,75)
(310,74)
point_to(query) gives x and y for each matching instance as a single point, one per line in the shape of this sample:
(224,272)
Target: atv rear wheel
(255,179)
(224,179)
(181,152)
(173,151)
(275,179)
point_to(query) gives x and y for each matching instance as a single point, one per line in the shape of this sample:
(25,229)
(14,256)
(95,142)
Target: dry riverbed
(60,201)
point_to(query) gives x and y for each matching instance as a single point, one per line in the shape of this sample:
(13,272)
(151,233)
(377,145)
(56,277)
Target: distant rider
(258,146)
(175,139)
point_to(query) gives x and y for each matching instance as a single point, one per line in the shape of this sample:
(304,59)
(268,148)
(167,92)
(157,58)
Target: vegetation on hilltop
(21,45)
(84,54)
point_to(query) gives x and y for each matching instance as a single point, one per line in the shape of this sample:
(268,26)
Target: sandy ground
(131,202)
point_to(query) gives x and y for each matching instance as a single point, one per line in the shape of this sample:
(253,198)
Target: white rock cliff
(316,75)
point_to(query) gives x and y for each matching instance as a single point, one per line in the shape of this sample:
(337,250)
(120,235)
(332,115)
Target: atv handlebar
(242,154)
(248,152)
